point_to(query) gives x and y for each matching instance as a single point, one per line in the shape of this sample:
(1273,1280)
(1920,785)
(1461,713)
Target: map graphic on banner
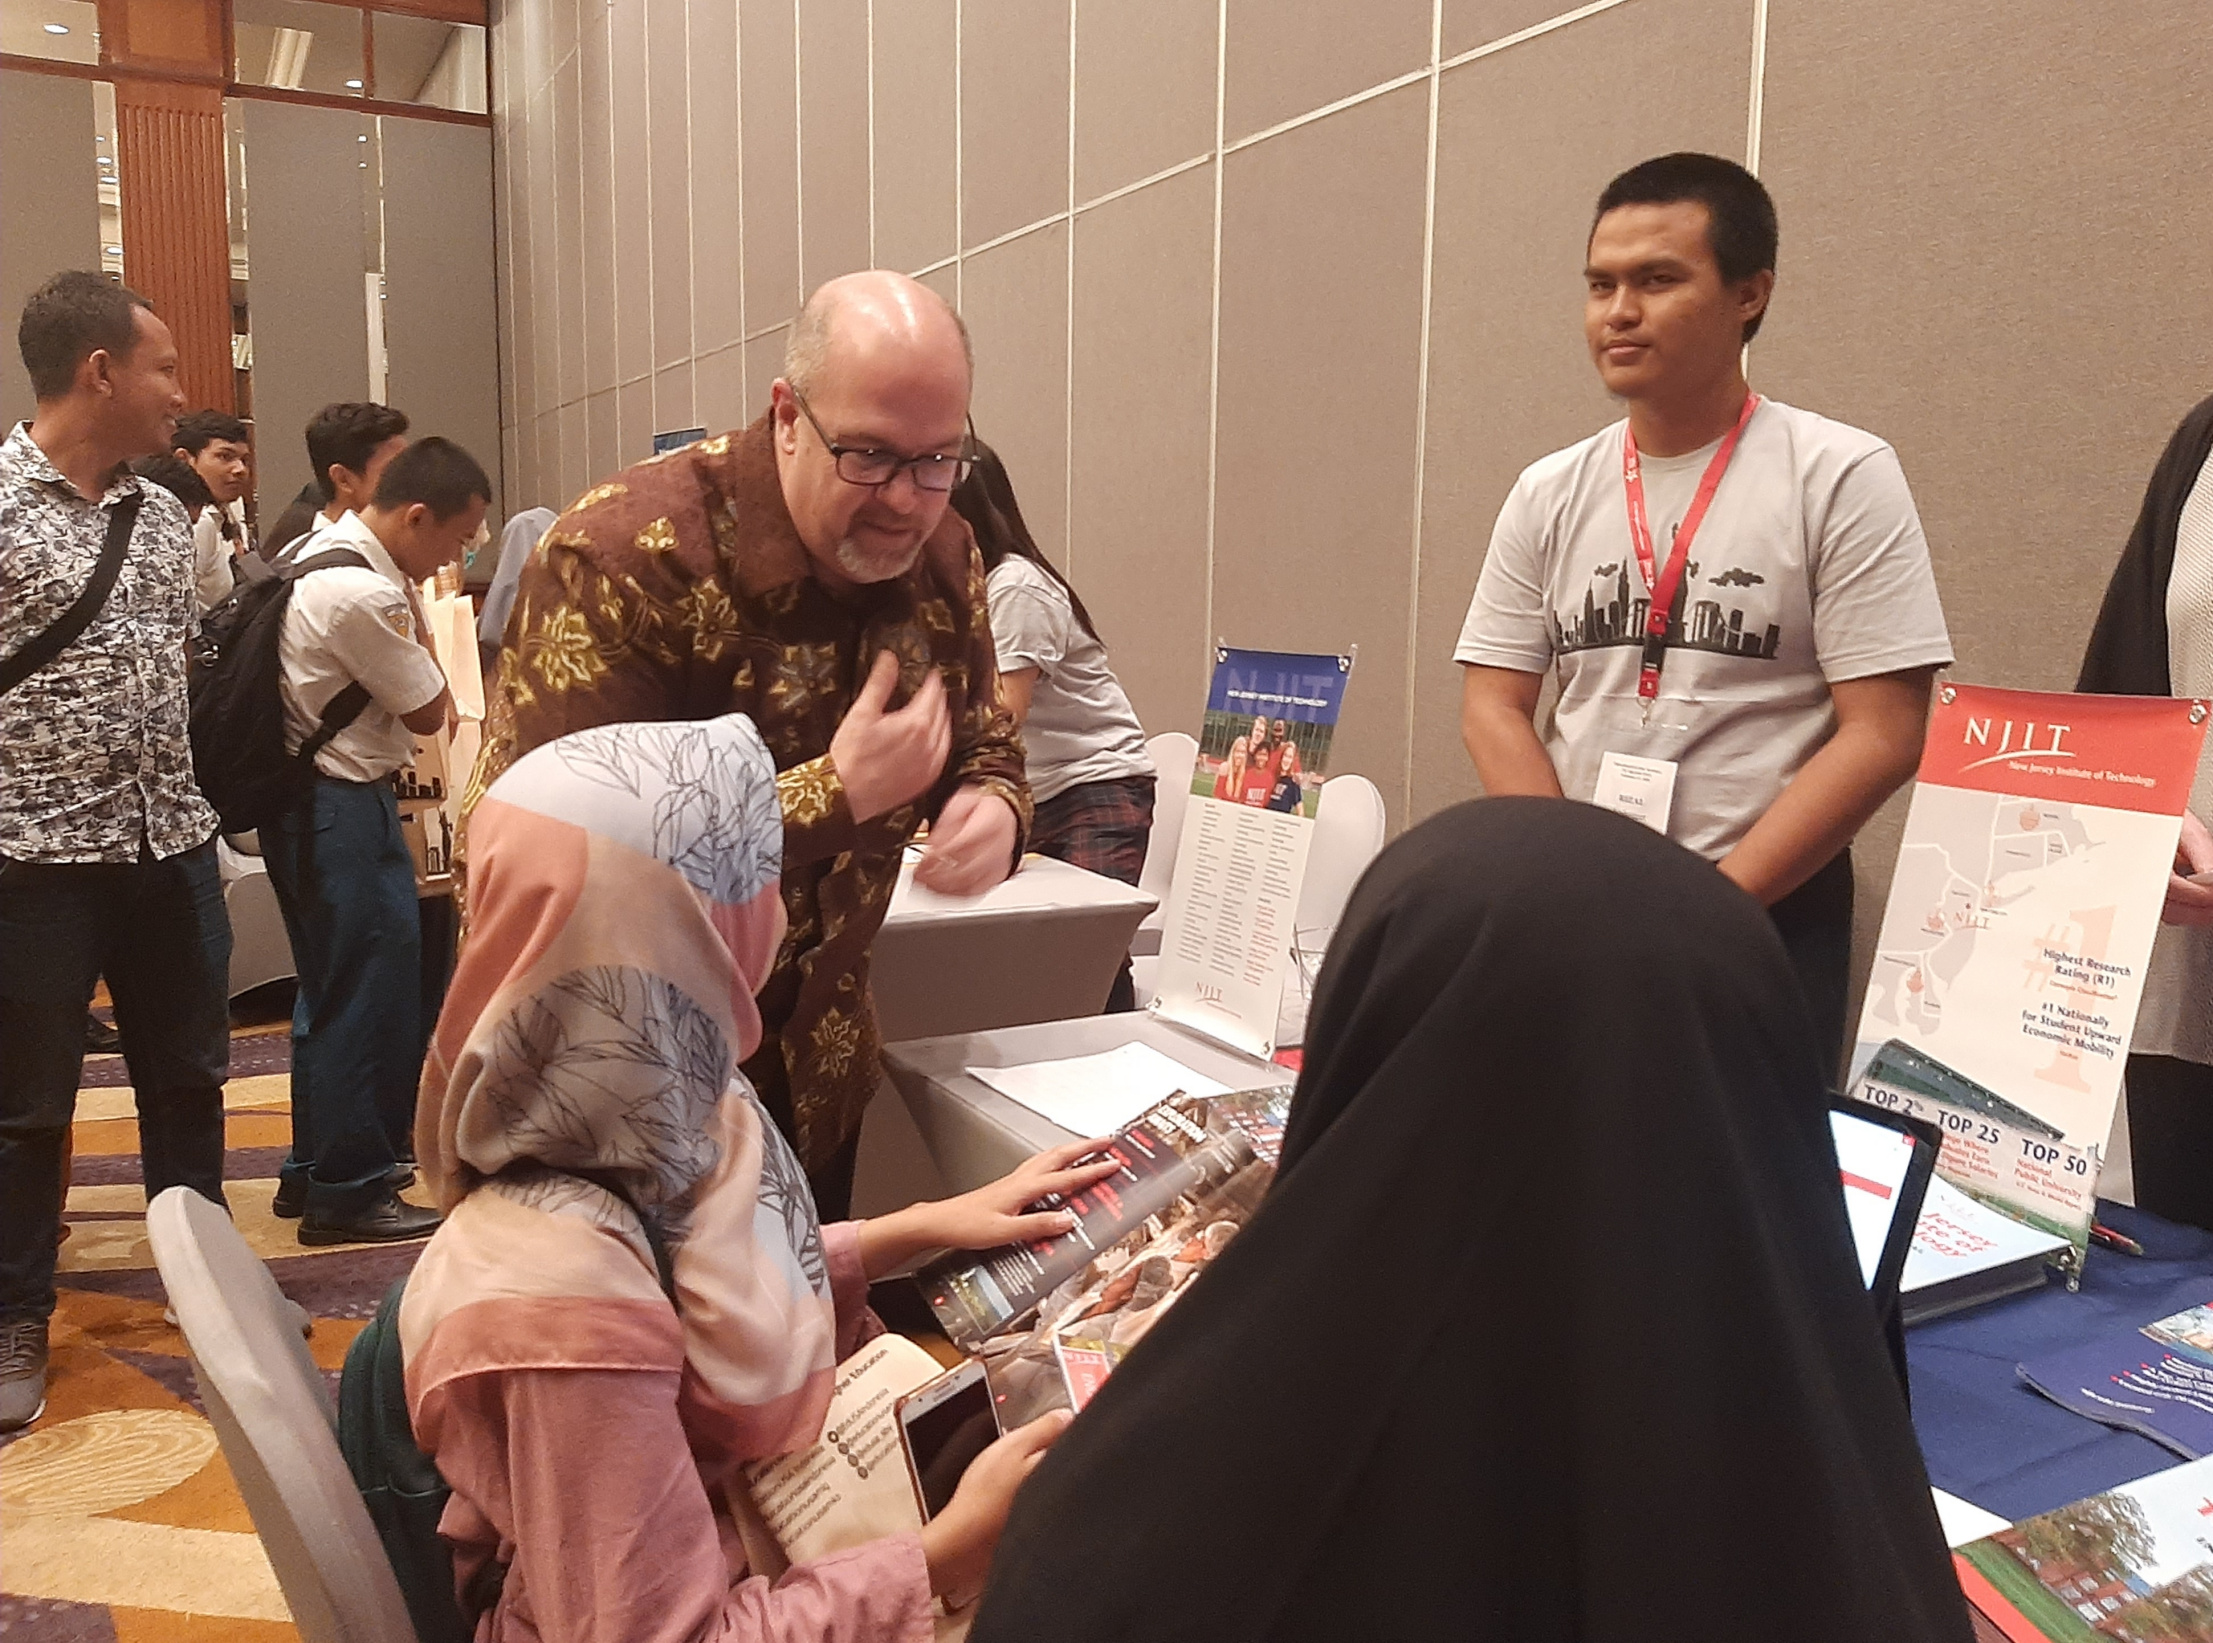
(2021,916)
(1228,929)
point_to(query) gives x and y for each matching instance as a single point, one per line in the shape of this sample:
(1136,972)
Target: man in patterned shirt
(107,849)
(805,571)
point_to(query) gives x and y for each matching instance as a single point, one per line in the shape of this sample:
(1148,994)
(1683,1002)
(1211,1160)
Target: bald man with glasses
(807,572)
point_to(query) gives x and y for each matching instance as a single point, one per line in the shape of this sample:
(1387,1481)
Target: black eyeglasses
(858,466)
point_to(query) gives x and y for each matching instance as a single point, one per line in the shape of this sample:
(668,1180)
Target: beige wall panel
(764,363)
(568,226)
(576,462)
(1472,23)
(833,138)
(1145,87)
(945,282)
(545,258)
(1014,115)
(1525,141)
(1286,57)
(440,299)
(1144,315)
(552,488)
(2056,145)
(1320,350)
(718,319)
(917,130)
(562,26)
(633,202)
(668,141)
(602,444)
(1017,312)
(49,179)
(768,156)
(311,327)
(507,220)
(596,144)
(719,383)
(633,426)
(673,405)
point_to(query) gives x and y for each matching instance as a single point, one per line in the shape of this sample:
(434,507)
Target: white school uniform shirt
(347,624)
(1810,570)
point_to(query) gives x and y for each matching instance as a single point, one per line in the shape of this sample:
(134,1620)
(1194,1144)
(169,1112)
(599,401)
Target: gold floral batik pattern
(679,589)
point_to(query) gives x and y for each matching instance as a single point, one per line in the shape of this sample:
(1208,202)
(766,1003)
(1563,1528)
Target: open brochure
(2157,1380)
(1965,1253)
(1051,1319)
(2133,1565)
(1098,1094)
(850,1486)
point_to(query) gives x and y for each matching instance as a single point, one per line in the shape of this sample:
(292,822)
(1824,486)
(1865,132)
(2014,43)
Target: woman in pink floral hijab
(585,1127)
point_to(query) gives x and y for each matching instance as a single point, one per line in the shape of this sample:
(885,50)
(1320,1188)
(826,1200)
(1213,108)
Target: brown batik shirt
(680,590)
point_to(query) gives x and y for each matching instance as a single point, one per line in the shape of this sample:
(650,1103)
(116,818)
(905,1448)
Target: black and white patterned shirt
(94,752)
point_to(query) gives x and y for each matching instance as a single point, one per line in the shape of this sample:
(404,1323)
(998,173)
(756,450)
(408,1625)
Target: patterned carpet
(118,1517)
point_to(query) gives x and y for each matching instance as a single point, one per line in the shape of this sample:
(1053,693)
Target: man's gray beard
(862,566)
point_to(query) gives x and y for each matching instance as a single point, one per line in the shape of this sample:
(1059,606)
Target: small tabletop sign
(1228,931)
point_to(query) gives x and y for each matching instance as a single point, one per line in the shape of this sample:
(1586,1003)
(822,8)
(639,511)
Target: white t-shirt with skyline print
(1810,569)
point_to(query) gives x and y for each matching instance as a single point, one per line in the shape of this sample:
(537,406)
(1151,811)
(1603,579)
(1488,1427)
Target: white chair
(272,1414)
(261,949)
(1349,825)
(1175,757)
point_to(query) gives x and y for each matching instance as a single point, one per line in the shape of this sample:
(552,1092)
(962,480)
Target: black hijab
(1550,1327)
(2128,645)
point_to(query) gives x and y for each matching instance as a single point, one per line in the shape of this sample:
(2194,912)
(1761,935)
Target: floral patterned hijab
(624,907)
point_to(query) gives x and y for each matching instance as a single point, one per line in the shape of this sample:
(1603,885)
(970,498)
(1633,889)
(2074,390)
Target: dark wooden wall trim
(446,11)
(176,236)
(236,88)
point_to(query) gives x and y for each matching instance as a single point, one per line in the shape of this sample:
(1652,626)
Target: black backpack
(238,752)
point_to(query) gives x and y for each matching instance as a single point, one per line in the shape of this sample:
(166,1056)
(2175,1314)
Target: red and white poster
(2029,883)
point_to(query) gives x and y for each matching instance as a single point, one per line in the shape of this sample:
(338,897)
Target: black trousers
(2170,1137)
(159,933)
(1815,922)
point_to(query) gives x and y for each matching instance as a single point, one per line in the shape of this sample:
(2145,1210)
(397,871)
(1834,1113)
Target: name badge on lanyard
(1666,583)
(1641,789)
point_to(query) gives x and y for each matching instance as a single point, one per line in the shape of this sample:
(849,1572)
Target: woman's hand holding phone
(959,1542)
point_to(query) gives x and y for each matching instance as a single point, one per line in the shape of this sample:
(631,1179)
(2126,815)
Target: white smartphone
(944,1425)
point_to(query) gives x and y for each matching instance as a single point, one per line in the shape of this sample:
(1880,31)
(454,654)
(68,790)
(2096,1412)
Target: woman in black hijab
(1550,1327)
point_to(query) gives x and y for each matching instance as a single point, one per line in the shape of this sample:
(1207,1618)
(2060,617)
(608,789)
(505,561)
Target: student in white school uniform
(1734,594)
(340,867)
(218,448)
(348,444)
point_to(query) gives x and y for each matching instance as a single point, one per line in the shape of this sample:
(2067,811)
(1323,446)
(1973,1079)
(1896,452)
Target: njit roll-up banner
(2021,916)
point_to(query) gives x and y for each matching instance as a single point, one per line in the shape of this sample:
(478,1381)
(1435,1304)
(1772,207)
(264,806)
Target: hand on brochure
(2189,902)
(990,1216)
(957,1544)
(971,845)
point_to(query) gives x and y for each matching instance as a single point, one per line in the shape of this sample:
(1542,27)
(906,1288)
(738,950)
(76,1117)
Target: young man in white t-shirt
(341,870)
(1784,695)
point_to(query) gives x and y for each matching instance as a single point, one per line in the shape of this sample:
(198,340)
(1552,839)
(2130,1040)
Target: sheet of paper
(1098,1094)
(1963,1520)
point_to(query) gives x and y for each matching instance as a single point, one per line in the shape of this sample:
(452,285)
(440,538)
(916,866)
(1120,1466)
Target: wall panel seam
(1755,114)
(870,48)
(1532,32)
(1068,345)
(1421,393)
(1207,635)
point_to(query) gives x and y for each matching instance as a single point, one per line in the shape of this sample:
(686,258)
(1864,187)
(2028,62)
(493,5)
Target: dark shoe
(290,1202)
(22,1372)
(390,1220)
(100,1038)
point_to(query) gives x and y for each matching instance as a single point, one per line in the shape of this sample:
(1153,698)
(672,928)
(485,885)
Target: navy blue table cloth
(1987,1437)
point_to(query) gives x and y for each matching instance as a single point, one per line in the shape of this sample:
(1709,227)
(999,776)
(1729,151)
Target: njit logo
(2016,739)
(1209,993)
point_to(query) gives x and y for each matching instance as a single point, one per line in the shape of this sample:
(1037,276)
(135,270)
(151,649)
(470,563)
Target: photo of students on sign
(1270,718)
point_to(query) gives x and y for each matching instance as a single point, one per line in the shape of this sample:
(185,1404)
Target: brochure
(1965,1253)
(1184,1150)
(1051,1320)
(2157,1380)
(2134,1565)
(1098,1094)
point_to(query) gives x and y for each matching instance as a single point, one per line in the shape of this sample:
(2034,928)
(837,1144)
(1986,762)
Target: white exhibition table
(974,1134)
(1043,945)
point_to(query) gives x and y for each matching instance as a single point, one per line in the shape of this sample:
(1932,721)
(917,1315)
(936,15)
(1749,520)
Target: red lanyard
(1665,583)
